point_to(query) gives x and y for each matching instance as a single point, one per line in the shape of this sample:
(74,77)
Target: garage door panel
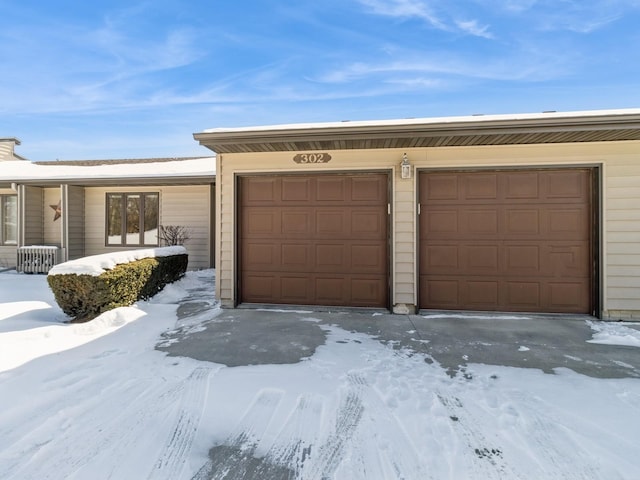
(331,257)
(368,189)
(479,222)
(367,258)
(296,189)
(480,186)
(567,186)
(260,256)
(568,260)
(481,259)
(332,189)
(368,291)
(522,185)
(568,296)
(522,221)
(507,240)
(260,190)
(368,223)
(481,294)
(259,221)
(522,260)
(294,222)
(568,221)
(261,286)
(439,221)
(330,222)
(522,295)
(439,258)
(293,288)
(294,256)
(332,290)
(319,239)
(441,293)
(439,187)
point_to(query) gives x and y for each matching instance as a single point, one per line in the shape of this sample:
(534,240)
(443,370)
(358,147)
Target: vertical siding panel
(75,219)
(33,216)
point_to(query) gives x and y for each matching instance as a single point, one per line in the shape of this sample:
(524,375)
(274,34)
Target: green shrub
(84,297)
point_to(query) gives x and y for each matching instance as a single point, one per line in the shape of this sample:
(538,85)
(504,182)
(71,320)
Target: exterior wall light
(405,167)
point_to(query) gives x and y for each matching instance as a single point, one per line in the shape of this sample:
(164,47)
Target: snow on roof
(21,170)
(480,118)
(95,265)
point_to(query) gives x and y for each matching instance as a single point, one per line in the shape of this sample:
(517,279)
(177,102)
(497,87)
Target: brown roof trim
(454,131)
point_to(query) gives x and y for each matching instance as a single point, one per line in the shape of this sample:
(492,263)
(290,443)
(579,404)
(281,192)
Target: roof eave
(264,139)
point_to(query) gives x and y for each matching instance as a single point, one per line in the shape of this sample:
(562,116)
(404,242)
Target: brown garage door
(506,240)
(317,239)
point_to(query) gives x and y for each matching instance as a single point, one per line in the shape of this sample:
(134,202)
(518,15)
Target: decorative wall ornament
(58,209)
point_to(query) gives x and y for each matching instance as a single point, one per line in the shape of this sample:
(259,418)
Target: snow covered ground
(97,401)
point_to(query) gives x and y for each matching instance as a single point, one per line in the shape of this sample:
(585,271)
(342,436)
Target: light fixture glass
(405,167)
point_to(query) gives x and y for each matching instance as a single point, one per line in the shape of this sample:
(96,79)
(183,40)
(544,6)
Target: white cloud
(440,15)
(405,9)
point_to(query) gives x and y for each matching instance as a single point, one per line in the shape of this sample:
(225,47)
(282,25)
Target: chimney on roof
(7,149)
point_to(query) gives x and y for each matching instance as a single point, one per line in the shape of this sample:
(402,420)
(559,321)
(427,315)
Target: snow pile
(98,401)
(609,333)
(95,265)
(24,170)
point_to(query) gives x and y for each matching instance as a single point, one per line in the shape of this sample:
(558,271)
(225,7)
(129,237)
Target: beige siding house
(523,213)
(79,208)
(8,204)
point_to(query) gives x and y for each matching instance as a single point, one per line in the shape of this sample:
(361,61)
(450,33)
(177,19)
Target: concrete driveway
(368,395)
(273,336)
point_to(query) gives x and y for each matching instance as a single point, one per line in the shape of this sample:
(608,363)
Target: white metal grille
(37,258)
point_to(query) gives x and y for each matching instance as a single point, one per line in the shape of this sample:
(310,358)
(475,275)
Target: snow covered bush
(86,287)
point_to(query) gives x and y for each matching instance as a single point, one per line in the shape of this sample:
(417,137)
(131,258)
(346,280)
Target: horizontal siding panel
(8,256)
(623,181)
(628,282)
(623,192)
(627,259)
(626,214)
(622,271)
(622,226)
(624,304)
(623,237)
(623,248)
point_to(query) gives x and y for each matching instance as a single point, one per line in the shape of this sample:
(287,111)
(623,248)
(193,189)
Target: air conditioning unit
(37,258)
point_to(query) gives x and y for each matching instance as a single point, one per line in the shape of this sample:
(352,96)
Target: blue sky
(130,79)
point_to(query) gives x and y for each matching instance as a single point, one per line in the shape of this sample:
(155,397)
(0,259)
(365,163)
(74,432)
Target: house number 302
(312,158)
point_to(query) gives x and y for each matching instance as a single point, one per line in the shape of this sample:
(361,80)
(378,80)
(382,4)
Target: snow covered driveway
(99,401)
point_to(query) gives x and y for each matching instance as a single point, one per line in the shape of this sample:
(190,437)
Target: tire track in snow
(235,458)
(95,436)
(332,452)
(293,444)
(176,450)
(485,457)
